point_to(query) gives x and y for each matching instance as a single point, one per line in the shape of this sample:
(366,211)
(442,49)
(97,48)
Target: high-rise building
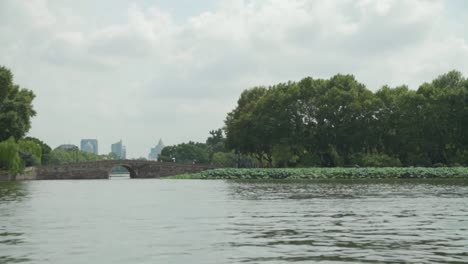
(156,151)
(90,145)
(119,150)
(124,152)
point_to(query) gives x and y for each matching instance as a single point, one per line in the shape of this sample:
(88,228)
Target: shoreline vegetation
(328,173)
(339,122)
(307,129)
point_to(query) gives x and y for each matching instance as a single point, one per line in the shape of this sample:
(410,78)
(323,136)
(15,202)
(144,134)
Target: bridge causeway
(102,169)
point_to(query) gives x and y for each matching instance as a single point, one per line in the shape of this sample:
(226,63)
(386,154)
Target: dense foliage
(9,156)
(339,122)
(16,111)
(330,173)
(186,152)
(16,107)
(30,152)
(212,152)
(61,156)
(15,155)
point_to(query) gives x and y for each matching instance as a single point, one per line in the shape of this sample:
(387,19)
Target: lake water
(191,221)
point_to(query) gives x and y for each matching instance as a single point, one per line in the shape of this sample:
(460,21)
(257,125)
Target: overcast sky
(144,70)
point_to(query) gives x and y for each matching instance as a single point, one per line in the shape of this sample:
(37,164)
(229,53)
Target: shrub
(439,165)
(9,156)
(375,160)
(309,160)
(227,159)
(30,152)
(329,173)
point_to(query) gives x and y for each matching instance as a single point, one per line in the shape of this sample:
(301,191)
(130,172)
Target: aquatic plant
(330,173)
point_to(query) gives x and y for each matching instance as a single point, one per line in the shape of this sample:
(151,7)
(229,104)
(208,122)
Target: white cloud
(143,74)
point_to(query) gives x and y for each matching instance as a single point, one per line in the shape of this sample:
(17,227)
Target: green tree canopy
(9,156)
(16,107)
(64,156)
(339,122)
(30,151)
(45,149)
(186,153)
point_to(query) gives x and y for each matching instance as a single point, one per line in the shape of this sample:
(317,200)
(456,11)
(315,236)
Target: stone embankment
(29,173)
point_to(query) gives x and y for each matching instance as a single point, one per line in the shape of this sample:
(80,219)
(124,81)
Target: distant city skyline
(92,146)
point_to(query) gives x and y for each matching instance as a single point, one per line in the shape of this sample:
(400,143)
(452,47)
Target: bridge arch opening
(122,171)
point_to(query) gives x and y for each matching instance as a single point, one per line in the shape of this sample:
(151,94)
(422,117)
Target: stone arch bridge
(102,169)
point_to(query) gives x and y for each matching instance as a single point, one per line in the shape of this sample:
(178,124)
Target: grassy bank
(330,173)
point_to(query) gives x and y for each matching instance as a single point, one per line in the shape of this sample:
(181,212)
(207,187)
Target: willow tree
(9,156)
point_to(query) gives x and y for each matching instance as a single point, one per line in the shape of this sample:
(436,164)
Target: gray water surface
(191,221)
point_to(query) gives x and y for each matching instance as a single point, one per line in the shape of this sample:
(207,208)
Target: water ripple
(233,222)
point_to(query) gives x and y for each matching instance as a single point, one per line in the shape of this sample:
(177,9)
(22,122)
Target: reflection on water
(119,176)
(11,193)
(171,221)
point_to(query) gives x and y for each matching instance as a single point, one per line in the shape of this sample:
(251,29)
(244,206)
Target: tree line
(211,152)
(310,123)
(339,122)
(16,111)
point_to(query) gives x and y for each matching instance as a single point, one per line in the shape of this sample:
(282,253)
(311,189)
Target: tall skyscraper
(90,145)
(119,150)
(156,151)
